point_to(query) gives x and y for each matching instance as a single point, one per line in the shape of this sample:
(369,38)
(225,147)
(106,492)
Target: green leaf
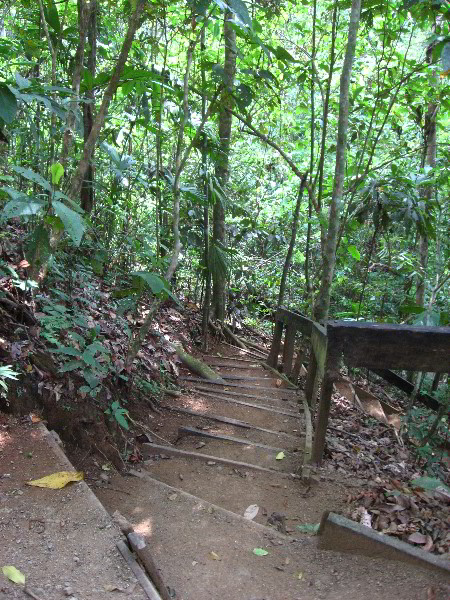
(16,208)
(429,483)
(282,54)
(66,350)
(309,528)
(8,104)
(73,222)
(38,246)
(71,366)
(51,15)
(57,171)
(241,11)
(91,379)
(156,283)
(13,574)
(34,177)
(280,456)
(260,552)
(353,250)
(119,415)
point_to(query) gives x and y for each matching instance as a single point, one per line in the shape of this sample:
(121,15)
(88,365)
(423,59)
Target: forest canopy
(238,154)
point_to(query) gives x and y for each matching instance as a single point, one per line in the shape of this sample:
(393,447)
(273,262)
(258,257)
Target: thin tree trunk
(222,168)
(87,190)
(329,255)
(287,262)
(207,278)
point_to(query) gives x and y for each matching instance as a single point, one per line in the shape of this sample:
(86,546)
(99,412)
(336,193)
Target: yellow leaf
(14,574)
(280,456)
(214,555)
(56,481)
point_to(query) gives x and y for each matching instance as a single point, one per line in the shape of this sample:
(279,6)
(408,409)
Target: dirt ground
(62,540)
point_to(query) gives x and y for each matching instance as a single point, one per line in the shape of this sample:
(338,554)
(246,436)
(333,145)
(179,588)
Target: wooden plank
(228,420)
(227,438)
(288,349)
(154,450)
(298,364)
(322,418)
(306,467)
(250,360)
(254,366)
(406,386)
(146,584)
(237,385)
(311,380)
(241,395)
(287,413)
(319,343)
(343,535)
(272,359)
(383,346)
(246,378)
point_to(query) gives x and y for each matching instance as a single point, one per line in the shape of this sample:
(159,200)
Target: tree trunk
(429,159)
(222,172)
(287,262)
(329,255)
(87,190)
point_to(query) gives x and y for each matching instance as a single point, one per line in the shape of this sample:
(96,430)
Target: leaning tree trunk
(222,168)
(329,254)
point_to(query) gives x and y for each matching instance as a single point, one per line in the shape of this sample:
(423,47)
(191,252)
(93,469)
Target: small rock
(200,445)
(211,462)
(180,476)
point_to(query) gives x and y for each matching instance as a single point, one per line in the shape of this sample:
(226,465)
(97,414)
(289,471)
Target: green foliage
(118,413)
(6,372)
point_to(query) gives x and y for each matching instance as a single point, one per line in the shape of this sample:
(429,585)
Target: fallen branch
(234,337)
(197,366)
(138,544)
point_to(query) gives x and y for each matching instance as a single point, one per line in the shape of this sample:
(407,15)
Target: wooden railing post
(272,359)
(311,378)
(288,349)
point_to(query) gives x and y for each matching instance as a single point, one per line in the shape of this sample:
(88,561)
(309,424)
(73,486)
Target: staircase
(220,498)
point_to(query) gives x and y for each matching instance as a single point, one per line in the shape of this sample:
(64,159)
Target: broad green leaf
(119,415)
(22,82)
(241,11)
(57,171)
(16,208)
(51,15)
(280,456)
(309,528)
(260,552)
(429,483)
(8,104)
(34,177)
(156,284)
(13,574)
(91,379)
(73,222)
(282,54)
(353,250)
(38,246)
